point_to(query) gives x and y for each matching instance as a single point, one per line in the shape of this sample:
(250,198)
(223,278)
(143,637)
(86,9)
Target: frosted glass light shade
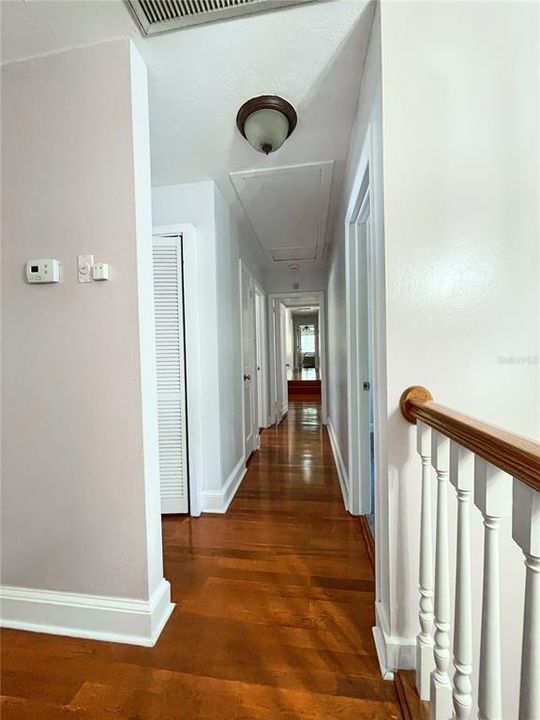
(266,122)
(266,130)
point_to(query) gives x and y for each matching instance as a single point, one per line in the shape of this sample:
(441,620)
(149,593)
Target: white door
(283,355)
(261,375)
(364,348)
(170,366)
(248,361)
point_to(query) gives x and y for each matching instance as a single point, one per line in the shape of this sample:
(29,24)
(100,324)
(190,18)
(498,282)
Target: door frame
(296,297)
(192,334)
(362,193)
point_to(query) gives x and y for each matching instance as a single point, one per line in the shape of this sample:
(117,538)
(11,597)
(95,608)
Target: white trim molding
(121,620)
(340,465)
(219,501)
(394,653)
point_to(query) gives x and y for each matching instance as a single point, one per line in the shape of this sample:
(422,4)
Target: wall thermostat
(43,270)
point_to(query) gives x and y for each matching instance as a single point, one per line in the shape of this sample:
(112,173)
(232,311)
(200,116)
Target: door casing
(364,209)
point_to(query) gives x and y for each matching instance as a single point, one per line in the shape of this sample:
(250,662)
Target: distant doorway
(304,379)
(297,351)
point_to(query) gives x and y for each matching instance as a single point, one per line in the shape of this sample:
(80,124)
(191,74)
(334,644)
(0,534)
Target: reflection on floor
(303,374)
(273,618)
(304,384)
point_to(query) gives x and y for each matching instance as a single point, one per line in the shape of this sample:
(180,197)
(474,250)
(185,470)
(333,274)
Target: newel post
(526,533)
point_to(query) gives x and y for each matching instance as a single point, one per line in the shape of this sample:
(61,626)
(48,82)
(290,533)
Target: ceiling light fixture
(266,122)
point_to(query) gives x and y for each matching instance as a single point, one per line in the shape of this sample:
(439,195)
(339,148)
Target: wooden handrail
(516,455)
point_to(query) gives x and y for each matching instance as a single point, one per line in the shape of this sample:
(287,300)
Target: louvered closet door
(168,302)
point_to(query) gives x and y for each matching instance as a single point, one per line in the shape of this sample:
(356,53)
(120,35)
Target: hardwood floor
(273,621)
(304,374)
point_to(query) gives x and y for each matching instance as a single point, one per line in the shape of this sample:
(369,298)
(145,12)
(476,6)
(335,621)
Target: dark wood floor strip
(412,708)
(275,604)
(368,540)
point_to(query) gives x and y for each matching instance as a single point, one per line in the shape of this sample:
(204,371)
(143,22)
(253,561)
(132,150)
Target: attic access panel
(159,16)
(287,208)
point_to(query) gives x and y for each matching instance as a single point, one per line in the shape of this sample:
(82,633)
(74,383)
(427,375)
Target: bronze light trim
(266,102)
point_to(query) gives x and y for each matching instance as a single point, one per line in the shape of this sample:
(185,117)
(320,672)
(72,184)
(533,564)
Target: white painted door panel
(364,339)
(283,359)
(248,360)
(259,354)
(170,367)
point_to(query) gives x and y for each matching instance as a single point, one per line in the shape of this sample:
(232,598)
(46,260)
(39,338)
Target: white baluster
(462,478)
(526,533)
(424,640)
(441,689)
(493,496)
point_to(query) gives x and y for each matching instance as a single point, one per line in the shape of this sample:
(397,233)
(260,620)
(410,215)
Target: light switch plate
(84,268)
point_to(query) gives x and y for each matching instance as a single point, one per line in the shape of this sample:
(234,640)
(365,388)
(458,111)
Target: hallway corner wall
(81,546)
(230,391)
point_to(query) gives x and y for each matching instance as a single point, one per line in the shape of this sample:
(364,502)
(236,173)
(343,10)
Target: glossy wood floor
(304,374)
(274,615)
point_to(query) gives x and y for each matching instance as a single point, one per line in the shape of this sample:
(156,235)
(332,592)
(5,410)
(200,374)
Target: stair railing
(500,473)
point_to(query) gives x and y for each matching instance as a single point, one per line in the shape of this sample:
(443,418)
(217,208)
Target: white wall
(460,108)
(368,119)
(79,460)
(203,205)
(229,338)
(337,350)
(461,149)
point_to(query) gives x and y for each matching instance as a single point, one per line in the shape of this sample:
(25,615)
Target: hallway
(273,618)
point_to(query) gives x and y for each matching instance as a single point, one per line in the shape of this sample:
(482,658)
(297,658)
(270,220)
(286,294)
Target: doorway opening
(364,262)
(177,349)
(304,377)
(297,351)
(170,351)
(363,354)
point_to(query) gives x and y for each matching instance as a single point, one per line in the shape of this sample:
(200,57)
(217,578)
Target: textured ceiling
(310,54)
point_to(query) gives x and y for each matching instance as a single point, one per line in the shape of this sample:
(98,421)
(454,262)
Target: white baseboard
(394,653)
(136,622)
(219,501)
(380,647)
(340,465)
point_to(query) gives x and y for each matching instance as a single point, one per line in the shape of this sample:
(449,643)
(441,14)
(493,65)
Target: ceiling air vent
(158,16)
